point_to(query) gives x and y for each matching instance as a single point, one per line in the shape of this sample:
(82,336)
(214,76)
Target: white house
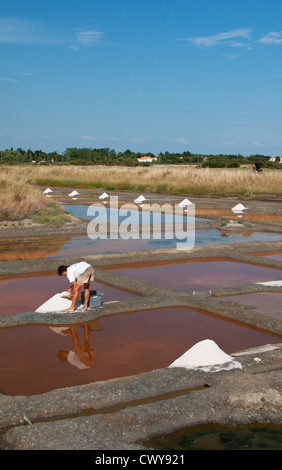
(274,159)
(146,158)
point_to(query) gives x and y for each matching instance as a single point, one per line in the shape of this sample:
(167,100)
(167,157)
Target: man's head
(62,270)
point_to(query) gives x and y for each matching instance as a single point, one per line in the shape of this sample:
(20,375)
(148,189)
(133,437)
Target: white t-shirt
(75,270)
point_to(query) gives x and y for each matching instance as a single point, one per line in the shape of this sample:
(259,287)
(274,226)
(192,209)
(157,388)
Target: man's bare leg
(86,295)
(74,298)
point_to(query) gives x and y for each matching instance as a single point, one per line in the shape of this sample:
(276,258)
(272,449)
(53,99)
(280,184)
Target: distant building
(146,158)
(275,159)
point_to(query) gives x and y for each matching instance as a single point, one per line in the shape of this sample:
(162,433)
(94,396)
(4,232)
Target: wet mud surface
(211,289)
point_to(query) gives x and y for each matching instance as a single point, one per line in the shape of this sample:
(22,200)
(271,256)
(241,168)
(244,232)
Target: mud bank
(123,413)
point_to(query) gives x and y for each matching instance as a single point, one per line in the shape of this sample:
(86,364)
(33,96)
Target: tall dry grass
(159,178)
(20,200)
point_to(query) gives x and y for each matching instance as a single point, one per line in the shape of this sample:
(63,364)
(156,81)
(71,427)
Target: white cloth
(75,270)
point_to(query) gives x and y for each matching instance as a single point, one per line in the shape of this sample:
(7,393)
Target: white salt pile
(185,202)
(271,283)
(103,196)
(238,208)
(207,356)
(57,303)
(48,190)
(74,193)
(140,199)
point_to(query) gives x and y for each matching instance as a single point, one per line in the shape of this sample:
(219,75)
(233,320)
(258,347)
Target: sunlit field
(174,179)
(21,186)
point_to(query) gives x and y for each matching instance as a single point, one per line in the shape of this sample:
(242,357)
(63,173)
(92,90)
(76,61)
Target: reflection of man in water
(79,275)
(79,356)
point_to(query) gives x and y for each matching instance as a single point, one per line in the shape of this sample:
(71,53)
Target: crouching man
(79,275)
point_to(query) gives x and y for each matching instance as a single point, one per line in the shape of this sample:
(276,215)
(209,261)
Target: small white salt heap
(103,196)
(185,202)
(238,208)
(207,356)
(140,199)
(74,193)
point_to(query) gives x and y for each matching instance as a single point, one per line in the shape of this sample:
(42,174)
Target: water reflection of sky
(84,245)
(116,215)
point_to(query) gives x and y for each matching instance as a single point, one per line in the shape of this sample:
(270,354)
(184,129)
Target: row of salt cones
(236,209)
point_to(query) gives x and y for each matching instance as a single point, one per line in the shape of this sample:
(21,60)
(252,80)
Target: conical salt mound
(185,202)
(103,196)
(74,193)
(239,207)
(204,353)
(140,199)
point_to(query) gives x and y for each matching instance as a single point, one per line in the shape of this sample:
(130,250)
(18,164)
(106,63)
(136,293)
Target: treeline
(106,156)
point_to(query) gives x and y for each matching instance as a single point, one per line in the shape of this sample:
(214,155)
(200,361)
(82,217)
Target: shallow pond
(36,359)
(27,292)
(222,437)
(55,247)
(201,275)
(267,303)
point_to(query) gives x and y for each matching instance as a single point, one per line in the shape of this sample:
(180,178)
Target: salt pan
(207,356)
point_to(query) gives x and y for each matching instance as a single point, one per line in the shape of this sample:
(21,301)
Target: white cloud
(16,30)
(180,140)
(89,36)
(274,38)
(257,144)
(25,74)
(10,80)
(136,140)
(88,137)
(221,38)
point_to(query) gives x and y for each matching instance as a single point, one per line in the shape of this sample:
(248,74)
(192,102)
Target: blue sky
(145,75)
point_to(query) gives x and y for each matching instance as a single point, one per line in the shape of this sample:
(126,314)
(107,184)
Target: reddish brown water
(23,293)
(32,357)
(272,255)
(268,303)
(200,275)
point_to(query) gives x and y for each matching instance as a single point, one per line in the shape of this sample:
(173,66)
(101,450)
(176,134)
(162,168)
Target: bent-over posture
(79,275)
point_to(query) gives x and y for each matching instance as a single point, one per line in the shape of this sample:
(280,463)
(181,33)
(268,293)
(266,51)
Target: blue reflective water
(115,215)
(84,245)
